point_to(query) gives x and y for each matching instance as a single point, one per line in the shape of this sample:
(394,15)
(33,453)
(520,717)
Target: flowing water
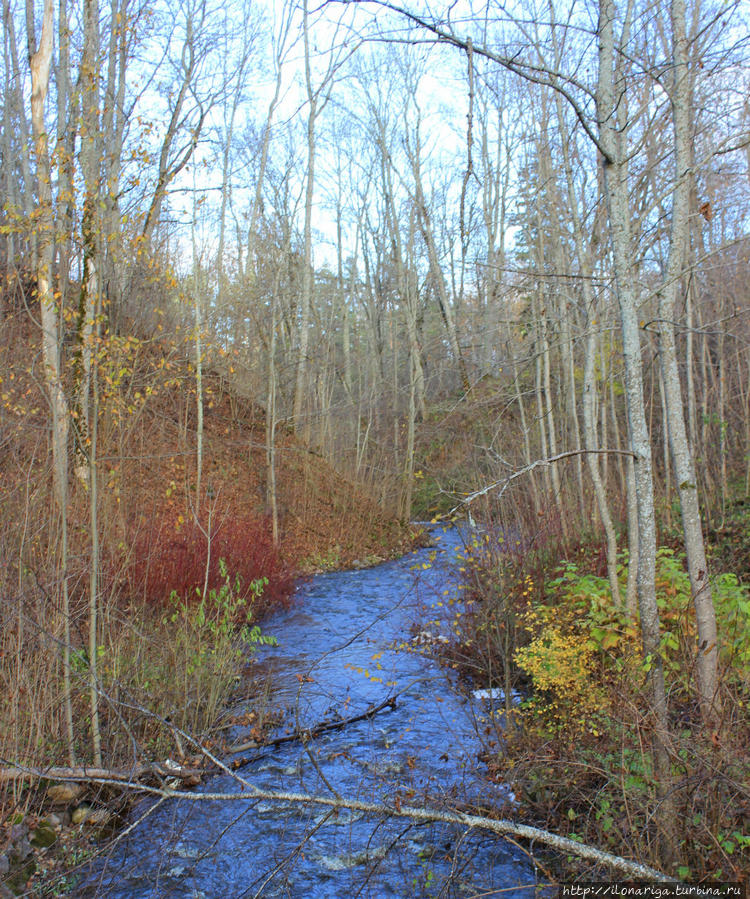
(350,641)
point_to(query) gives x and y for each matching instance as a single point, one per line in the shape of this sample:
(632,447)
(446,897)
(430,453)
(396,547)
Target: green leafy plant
(183,666)
(609,628)
(324,561)
(578,751)
(226,612)
(218,629)
(732,601)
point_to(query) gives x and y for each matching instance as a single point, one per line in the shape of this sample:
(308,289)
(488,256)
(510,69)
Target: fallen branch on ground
(124,776)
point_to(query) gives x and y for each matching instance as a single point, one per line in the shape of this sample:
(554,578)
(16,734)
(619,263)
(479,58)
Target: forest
(279,280)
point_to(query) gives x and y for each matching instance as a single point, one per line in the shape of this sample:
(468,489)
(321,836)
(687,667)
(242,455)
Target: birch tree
(612,133)
(682,457)
(40,59)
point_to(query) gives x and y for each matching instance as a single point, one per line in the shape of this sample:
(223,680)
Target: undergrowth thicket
(575,746)
(175,554)
(174,669)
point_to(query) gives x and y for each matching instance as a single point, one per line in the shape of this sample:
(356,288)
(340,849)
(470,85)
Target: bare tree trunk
(609,410)
(549,419)
(416,383)
(442,293)
(91,153)
(689,365)
(539,393)
(631,588)
(271,494)
(114,119)
(410,437)
(611,137)
(560,292)
(547,432)
(667,485)
(88,330)
(524,425)
(66,132)
(307,264)
(569,378)
(93,648)
(13,73)
(198,339)
(407,290)
(590,437)
(722,416)
(197,303)
(707,650)
(40,59)
(436,271)
(589,381)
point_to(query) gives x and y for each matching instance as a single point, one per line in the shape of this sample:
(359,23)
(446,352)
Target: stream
(350,641)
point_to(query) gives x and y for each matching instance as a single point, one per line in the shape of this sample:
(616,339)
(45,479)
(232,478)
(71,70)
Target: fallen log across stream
(121,778)
(249,792)
(307,733)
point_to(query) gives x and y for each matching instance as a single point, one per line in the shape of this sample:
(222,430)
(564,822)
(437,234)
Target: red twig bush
(171,554)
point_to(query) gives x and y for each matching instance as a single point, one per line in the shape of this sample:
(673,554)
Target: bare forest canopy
(365,211)
(495,259)
(363,219)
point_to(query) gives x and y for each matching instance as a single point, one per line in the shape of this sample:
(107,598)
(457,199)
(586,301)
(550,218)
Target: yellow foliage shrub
(561,664)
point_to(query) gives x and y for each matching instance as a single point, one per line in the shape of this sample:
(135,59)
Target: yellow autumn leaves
(561,664)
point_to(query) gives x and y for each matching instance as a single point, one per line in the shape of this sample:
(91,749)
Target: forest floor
(149,479)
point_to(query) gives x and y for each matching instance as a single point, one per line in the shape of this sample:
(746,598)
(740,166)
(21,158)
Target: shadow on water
(345,645)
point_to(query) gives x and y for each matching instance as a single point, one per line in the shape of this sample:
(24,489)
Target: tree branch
(503,484)
(502,827)
(308,733)
(529,72)
(84,774)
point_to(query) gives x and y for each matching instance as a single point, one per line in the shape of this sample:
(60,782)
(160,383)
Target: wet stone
(19,850)
(44,835)
(62,794)
(18,832)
